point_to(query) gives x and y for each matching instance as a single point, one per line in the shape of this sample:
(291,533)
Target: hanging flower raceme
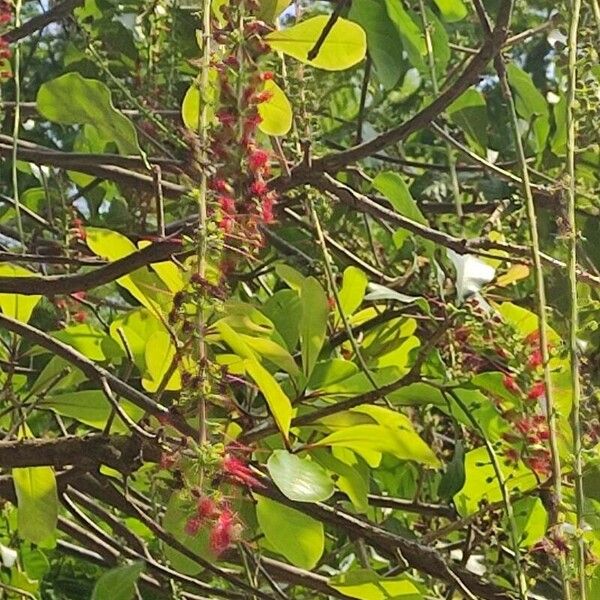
(236,469)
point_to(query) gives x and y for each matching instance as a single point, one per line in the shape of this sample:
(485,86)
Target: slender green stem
(436,91)
(202,201)
(540,293)
(334,291)
(505,494)
(575,10)
(16,127)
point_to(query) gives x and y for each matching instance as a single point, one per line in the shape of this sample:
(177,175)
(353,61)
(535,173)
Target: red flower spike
(206,508)
(80,316)
(223,533)
(267,76)
(234,468)
(167,460)
(263,97)
(535,359)
(259,188)
(533,339)
(193,526)
(227,204)
(511,384)
(537,390)
(258,160)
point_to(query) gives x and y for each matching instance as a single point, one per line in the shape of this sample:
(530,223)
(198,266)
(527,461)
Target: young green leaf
(118,583)
(364,584)
(292,534)
(352,292)
(279,404)
(384,43)
(75,100)
(300,479)
(344,46)
(313,323)
(17,306)
(276,112)
(452,10)
(37,503)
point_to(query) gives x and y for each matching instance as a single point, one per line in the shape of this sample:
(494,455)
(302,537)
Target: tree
(299,300)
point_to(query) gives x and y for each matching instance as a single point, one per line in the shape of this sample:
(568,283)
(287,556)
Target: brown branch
(104,166)
(118,452)
(419,557)
(95,372)
(489,49)
(59,11)
(333,18)
(514,252)
(54,285)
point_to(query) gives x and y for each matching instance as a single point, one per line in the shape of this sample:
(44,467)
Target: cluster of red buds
(225,527)
(71,305)
(6,16)
(529,440)
(209,510)
(242,198)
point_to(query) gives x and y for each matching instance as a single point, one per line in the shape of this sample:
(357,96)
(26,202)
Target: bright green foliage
(76,100)
(345,45)
(290,533)
(118,583)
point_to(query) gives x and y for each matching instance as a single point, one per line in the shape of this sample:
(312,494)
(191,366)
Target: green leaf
(191,107)
(145,287)
(344,46)
(412,37)
(481,482)
(402,442)
(159,355)
(75,100)
(279,404)
(271,9)
(118,583)
(313,322)
(90,407)
(284,309)
(351,479)
(300,479)
(469,112)
(290,533)
(276,112)
(452,10)
(394,188)
(530,104)
(352,292)
(85,339)
(364,584)
(531,520)
(37,503)
(372,16)
(273,352)
(293,278)
(17,306)
(454,478)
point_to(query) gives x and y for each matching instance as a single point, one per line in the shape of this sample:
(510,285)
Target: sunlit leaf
(300,479)
(313,322)
(276,112)
(17,306)
(344,46)
(73,99)
(292,534)
(118,583)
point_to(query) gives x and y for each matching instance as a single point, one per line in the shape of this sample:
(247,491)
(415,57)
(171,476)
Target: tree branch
(60,10)
(55,285)
(95,372)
